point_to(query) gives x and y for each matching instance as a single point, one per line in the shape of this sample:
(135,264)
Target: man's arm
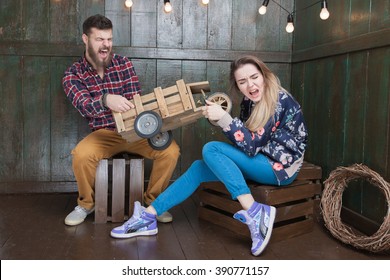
(81,99)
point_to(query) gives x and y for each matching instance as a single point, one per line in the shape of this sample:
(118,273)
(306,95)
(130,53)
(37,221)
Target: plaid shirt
(85,89)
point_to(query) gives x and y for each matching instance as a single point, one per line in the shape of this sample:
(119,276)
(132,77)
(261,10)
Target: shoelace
(253,230)
(80,209)
(131,221)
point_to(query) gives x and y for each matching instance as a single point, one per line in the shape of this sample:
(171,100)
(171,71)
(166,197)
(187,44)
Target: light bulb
(205,2)
(290,23)
(324,14)
(262,10)
(128,3)
(324,11)
(167,7)
(290,27)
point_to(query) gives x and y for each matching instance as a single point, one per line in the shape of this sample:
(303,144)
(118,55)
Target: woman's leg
(183,187)
(222,162)
(233,167)
(143,222)
(164,163)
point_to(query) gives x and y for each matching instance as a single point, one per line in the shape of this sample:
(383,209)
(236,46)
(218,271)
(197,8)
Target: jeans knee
(209,147)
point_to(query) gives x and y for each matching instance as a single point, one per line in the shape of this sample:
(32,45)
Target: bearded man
(99,83)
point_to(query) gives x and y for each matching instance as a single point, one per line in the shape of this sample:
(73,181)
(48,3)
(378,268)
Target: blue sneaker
(260,220)
(141,223)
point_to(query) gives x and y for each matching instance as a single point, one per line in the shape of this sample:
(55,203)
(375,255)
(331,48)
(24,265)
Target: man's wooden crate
(294,204)
(119,183)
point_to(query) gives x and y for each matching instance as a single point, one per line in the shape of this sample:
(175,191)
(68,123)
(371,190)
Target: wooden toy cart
(156,114)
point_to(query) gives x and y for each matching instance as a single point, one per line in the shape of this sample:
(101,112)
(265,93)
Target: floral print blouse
(283,139)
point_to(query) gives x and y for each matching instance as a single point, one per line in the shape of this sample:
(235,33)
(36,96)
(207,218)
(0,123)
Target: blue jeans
(221,162)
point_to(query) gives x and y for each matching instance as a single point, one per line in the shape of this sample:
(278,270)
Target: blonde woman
(268,145)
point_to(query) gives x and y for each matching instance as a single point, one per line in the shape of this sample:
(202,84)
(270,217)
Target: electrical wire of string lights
(324,14)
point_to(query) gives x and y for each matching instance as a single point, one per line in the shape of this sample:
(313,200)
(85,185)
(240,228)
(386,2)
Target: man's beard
(95,58)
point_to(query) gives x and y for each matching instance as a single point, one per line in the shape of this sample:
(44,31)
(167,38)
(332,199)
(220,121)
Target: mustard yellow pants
(106,143)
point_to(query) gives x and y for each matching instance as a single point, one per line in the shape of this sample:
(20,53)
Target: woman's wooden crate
(175,105)
(294,204)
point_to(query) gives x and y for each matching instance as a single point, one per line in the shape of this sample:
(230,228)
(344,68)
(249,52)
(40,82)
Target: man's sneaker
(165,217)
(260,220)
(77,216)
(141,223)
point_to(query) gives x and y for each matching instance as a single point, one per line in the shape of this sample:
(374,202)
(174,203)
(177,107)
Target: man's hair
(97,21)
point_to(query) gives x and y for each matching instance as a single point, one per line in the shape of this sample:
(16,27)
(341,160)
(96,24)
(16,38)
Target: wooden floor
(32,227)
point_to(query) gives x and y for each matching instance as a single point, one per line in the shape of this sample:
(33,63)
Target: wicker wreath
(331,203)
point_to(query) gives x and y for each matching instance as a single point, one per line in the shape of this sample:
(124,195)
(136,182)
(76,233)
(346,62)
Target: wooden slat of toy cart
(174,104)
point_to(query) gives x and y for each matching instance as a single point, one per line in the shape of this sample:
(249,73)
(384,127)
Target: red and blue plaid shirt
(85,88)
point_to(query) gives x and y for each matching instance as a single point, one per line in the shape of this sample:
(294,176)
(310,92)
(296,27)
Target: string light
(263,8)
(290,23)
(128,3)
(167,6)
(290,19)
(324,15)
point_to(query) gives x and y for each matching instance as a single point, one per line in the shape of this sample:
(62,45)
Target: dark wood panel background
(341,75)
(338,69)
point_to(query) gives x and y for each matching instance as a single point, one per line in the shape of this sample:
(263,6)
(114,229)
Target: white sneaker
(165,217)
(77,216)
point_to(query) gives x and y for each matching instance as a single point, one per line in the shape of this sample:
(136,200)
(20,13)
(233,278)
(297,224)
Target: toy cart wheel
(221,99)
(161,140)
(147,124)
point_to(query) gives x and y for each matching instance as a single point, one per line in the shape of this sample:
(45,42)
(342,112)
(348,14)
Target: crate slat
(118,189)
(181,86)
(101,190)
(161,102)
(138,104)
(278,195)
(136,183)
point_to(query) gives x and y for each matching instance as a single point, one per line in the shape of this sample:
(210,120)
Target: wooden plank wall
(39,39)
(340,71)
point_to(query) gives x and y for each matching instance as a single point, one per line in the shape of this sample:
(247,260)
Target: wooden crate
(113,175)
(294,204)
(175,105)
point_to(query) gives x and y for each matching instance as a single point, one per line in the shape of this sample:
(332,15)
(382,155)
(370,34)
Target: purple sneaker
(141,223)
(260,220)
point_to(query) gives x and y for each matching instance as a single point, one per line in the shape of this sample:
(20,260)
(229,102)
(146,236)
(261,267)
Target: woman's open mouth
(254,93)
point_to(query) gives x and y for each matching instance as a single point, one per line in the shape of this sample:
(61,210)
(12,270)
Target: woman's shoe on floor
(141,223)
(260,220)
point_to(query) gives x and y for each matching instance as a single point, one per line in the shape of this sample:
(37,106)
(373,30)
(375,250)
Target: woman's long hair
(265,108)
